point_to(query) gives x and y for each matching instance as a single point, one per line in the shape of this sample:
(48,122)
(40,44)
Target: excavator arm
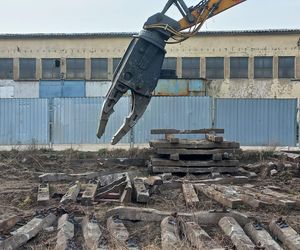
(140,67)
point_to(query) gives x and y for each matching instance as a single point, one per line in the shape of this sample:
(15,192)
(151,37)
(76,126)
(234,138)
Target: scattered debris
(8,221)
(71,194)
(91,233)
(226,197)
(197,237)
(285,233)
(261,237)
(43,194)
(141,194)
(153,215)
(239,238)
(27,232)
(190,195)
(118,232)
(65,233)
(170,239)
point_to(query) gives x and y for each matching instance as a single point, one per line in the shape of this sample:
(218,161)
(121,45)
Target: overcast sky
(70,16)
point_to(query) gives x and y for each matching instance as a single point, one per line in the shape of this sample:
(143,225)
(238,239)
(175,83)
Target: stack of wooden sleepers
(209,155)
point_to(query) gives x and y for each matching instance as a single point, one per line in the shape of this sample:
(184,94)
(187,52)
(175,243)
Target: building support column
(63,69)
(88,68)
(226,67)
(110,68)
(38,73)
(251,68)
(179,67)
(297,67)
(275,67)
(202,67)
(16,69)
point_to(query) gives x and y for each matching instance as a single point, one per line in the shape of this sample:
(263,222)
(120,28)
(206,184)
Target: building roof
(130,34)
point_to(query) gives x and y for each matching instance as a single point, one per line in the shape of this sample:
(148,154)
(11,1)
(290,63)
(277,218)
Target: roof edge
(130,34)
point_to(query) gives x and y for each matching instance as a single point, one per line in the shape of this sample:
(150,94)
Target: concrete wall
(248,45)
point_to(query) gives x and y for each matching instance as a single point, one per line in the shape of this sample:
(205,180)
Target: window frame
(241,71)
(56,76)
(216,75)
(292,67)
(192,72)
(97,75)
(256,70)
(76,75)
(8,72)
(32,76)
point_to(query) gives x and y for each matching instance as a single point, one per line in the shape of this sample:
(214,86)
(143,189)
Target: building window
(286,67)
(190,67)
(6,68)
(51,68)
(168,70)
(27,69)
(239,67)
(99,68)
(76,68)
(116,62)
(263,67)
(215,67)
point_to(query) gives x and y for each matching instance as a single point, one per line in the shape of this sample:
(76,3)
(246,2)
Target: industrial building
(231,64)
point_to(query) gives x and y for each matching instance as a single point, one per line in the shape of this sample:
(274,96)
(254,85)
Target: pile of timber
(198,156)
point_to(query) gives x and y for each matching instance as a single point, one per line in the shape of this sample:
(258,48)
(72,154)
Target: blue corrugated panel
(179,87)
(62,88)
(76,120)
(24,121)
(258,122)
(173,112)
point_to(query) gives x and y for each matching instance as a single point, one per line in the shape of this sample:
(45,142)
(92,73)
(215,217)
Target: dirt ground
(19,183)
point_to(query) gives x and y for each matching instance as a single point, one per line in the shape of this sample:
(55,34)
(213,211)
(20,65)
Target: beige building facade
(237,64)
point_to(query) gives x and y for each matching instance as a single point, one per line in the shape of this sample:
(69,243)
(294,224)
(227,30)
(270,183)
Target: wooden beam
(164,162)
(190,196)
(194,144)
(195,170)
(214,138)
(194,131)
(226,200)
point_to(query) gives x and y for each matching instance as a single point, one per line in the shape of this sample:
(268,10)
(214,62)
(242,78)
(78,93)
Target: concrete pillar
(179,67)
(63,68)
(275,67)
(202,67)
(88,68)
(251,68)
(110,68)
(297,66)
(16,69)
(38,67)
(226,67)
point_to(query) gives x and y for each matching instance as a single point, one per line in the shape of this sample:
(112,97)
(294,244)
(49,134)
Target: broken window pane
(76,68)
(51,68)
(27,68)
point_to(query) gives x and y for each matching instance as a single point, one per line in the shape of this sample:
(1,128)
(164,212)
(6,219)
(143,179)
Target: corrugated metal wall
(252,122)
(258,122)
(24,121)
(173,112)
(76,120)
